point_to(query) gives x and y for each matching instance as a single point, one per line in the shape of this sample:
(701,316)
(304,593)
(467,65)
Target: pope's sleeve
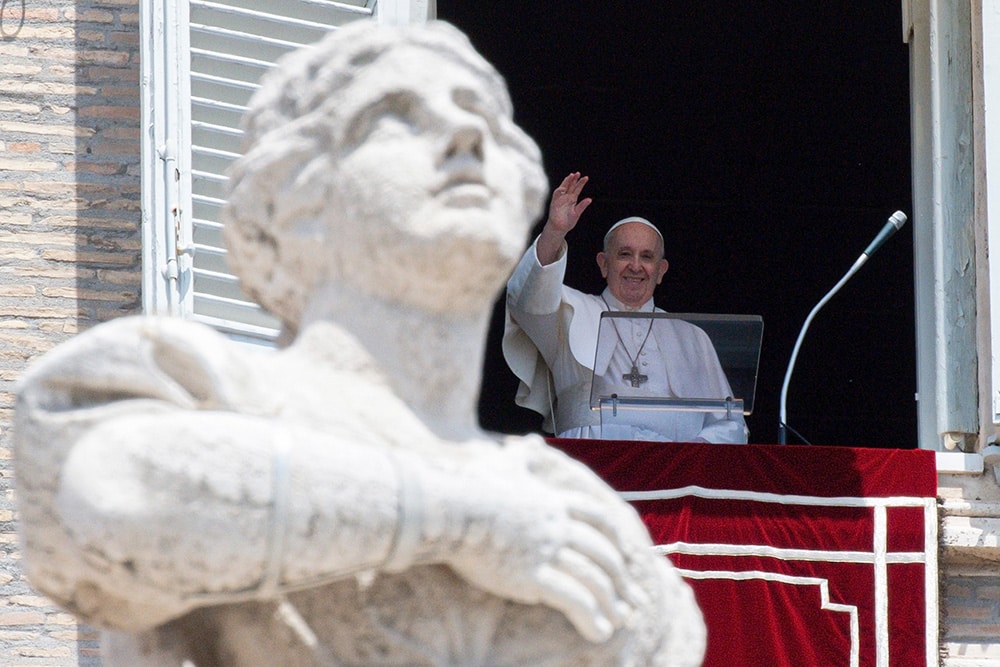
(531,329)
(718,428)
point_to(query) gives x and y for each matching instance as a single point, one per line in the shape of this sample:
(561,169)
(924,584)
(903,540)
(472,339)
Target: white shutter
(233,42)
(202,61)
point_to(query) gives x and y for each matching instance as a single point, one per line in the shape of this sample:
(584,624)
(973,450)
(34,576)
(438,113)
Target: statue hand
(529,541)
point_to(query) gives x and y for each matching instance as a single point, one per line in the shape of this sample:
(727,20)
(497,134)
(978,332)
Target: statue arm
(170,510)
(250,507)
(145,494)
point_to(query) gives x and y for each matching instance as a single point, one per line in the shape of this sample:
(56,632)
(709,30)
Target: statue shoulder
(182,362)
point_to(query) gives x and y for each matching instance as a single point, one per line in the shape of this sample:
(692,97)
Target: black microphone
(895,222)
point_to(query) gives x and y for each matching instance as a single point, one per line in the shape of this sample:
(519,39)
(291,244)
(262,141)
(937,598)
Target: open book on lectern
(649,365)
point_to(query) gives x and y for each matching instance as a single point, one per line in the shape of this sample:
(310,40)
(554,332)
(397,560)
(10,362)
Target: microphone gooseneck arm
(782,417)
(896,221)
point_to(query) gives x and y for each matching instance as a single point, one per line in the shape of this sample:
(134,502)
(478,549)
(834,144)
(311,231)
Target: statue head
(385,159)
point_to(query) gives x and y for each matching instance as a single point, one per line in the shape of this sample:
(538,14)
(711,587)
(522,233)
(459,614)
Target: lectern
(704,370)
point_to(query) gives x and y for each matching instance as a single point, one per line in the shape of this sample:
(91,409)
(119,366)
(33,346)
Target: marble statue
(334,502)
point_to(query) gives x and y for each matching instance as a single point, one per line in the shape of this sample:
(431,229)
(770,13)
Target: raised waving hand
(565,209)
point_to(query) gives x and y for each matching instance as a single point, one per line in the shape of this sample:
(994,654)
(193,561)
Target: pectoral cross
(635,377)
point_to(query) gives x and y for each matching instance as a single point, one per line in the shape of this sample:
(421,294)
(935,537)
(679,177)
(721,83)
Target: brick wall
(969,509)
(69,238)
(971,618)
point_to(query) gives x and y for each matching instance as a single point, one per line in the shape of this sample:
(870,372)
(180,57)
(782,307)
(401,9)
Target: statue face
(434,188)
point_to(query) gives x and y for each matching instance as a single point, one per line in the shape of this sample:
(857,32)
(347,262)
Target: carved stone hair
(294,124)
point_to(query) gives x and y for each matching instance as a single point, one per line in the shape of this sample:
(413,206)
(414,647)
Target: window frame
(183,174)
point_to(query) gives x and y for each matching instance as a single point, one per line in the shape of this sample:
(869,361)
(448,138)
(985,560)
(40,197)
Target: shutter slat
(232,44)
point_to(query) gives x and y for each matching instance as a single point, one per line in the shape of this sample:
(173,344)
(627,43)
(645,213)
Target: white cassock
(553,327)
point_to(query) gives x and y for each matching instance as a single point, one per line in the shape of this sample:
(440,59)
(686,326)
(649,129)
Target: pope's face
(633,264)
(434,186)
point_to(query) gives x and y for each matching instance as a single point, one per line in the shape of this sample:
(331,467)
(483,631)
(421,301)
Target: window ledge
(959,463)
